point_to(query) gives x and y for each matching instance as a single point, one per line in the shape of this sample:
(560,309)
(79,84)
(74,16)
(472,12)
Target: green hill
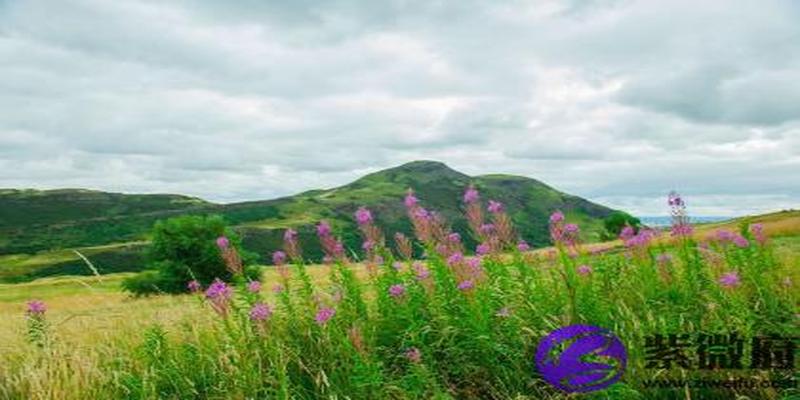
(35,221)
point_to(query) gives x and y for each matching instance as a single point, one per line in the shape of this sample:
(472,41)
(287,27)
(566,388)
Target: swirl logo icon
(581,358)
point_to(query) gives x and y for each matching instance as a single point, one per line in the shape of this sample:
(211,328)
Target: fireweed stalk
(37,323)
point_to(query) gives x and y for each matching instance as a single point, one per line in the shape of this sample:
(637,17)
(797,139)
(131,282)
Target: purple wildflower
(523,246)
(193,286)
(397,290)
(323,229)
(495,207)
(572,228)
(277,288)
(556,217)
(219,295)
(363,216)
(471,195)
(278,257)
(454,237)
(290,235)
(260,312)
(729,279)
(758,232)
(36,308)
(466,285)
(584,270)
(627,233)
(740,241)
(455,259)
(218,290)
(422,272)
(324,315)
(254,287)
(368,245)
(483,249)
(487,229)
(414,355)
(410,200)
(223,242)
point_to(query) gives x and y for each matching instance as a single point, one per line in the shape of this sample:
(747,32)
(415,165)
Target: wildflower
(454,237)
(471,195)
(466,285)
(410,200)
(223,242)
(487,229)
(260,312)
(219,294)
(414,355)
(729,279)
(474,265)
(556,217)
(680,220)
(758,232)
(495,207)
(278,257)
(523,246)
(503,312)
(254,287)
(404,246)
(290,244)
(627,233)
(664,258)
(397,265)
(422,272)
(455,259)
(324,315)
(572,228)
(368,245)
(483,249)
(193,286)
(323,229)
(422,213)
(584,270)
(740,241)
(724,235)
(363,216)
(277,288)
(397,290)
(36,308)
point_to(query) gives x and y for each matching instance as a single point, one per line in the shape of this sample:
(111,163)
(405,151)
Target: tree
(184,249)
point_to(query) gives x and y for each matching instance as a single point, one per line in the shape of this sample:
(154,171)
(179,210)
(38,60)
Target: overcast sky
(616,101)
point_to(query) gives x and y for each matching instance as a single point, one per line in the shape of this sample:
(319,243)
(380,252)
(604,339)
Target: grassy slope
(261,223)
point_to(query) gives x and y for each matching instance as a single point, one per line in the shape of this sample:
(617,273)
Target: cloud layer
(617,101)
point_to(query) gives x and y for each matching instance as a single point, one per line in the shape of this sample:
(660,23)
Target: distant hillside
(47,220)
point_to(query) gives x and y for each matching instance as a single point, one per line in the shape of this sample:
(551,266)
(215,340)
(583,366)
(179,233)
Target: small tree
(184,249)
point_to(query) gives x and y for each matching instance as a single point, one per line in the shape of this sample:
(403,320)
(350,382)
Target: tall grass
(451,326)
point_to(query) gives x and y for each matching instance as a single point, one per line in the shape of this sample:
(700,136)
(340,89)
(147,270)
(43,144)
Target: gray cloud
(619,101)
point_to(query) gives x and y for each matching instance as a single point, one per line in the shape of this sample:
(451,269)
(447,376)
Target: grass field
(100,339)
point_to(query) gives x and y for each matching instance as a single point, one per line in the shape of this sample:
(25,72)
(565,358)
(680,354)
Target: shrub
(184,249)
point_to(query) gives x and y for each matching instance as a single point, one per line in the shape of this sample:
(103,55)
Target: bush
(184,248)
